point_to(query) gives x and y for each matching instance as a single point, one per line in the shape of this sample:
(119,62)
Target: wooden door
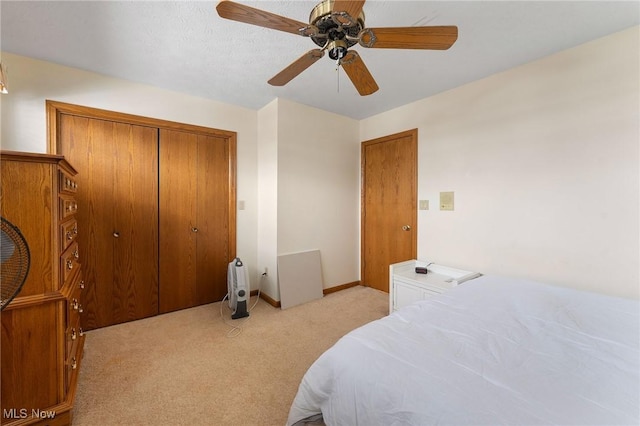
(118,192)
(194,219)
(213,248)
(389,199)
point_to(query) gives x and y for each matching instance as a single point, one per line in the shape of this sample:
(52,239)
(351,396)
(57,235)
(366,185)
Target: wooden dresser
(42,340)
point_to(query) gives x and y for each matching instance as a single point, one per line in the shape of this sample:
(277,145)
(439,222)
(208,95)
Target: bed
(491,351)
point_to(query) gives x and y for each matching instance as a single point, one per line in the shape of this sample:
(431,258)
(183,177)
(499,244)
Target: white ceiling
(185,46)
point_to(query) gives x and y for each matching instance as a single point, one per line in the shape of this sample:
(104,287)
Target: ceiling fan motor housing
(336,32)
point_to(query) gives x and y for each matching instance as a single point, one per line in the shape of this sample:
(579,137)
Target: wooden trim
(31,157)
(35,299)
(330,290)
(269,300)
(233,161)
(55,108)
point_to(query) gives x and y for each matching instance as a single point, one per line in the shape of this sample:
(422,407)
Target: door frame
(55,109)
(413,133)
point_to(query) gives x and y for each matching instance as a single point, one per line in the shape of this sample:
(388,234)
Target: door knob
(406,228)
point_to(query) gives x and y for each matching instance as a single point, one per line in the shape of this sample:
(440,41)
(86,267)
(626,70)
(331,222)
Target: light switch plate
(424,205)
(446,201)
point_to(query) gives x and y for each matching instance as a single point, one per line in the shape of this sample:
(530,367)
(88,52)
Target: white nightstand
(406,286)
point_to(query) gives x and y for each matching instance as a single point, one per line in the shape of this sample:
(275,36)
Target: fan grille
(14,262)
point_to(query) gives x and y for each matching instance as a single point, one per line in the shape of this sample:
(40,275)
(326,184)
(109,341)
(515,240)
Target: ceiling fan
(335,26)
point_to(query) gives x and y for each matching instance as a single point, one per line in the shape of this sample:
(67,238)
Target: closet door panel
(212,247)
(86,143)
(158,223)
(135,186)
(178,226)
(118,238)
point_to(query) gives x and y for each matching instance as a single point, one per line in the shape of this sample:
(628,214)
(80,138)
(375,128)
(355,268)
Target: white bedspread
(491,351)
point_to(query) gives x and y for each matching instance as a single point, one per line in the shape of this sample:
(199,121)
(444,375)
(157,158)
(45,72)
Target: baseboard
(272,302)
(325,291)
(340,287)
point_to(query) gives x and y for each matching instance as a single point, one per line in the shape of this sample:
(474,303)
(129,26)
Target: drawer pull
(69,264)
(116,234)
(69,235)
(81,332)
(81,283)
(80,309)
(75,305)
(76,254)
(75,229)
(73,334)
(74,363)
(194,229)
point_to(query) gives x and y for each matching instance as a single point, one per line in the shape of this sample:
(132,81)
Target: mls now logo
(23,413)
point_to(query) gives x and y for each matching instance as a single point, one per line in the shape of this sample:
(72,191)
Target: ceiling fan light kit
(336,26)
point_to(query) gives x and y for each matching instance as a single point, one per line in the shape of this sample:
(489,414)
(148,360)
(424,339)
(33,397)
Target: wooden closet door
(135,220)
(117,182)
(178,226)
(212,245)
(194,219)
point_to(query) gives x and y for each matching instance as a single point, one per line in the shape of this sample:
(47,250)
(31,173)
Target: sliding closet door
(195,191)
(118,199)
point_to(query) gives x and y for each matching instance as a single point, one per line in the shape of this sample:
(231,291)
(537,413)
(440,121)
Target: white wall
(268,198)
(308,173)
(318,188)
(32,82)
(543,160)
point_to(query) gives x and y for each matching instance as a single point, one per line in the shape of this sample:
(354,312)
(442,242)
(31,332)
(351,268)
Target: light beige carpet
(183,369)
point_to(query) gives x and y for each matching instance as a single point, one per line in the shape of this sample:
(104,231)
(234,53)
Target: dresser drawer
(69,262)
(66,182)
(75,299)
(68,206)
(73,334)
(68,233)
(72,362)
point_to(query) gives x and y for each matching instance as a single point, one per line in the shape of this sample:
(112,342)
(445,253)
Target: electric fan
(14,259)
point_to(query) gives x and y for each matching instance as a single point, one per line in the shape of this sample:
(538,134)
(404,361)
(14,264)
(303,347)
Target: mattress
(492,351)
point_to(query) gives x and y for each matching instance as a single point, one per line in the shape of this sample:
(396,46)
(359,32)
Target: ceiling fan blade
(353,8)
(358,73)
(437,38)
(249,15)
(299,65)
